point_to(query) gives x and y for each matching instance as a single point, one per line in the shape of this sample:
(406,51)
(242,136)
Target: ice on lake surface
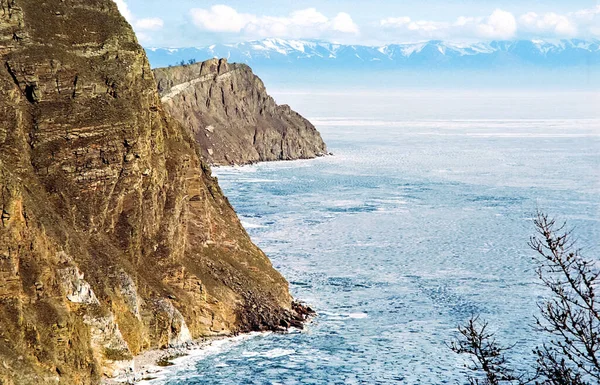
(420,220)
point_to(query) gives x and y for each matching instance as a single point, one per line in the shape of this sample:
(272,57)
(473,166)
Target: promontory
(232,117)
(114,236)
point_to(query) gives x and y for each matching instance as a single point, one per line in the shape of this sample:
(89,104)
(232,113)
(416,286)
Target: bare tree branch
(569,319)
(487,356)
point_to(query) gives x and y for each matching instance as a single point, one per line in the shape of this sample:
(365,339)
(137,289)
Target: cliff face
(114,237)
(232,117)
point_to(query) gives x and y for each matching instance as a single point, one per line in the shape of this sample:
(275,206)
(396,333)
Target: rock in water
(114,237)
(232,117)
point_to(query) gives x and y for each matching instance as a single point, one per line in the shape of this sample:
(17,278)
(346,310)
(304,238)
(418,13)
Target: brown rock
(107,206)
(232,117)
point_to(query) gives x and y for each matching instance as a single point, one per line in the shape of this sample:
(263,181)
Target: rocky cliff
(232,117)
(114,237)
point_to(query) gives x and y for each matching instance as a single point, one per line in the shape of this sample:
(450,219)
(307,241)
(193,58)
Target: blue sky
(184,23)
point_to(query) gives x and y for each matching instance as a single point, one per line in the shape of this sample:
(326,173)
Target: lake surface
(420,220)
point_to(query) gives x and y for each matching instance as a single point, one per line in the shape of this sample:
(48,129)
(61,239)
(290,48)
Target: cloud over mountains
(226,23)
(303,23)
(499,25)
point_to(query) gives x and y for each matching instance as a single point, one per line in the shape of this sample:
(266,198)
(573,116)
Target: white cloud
(499,25)
(306,23)
(150,24)
(588,21)
(588,14)
(124,9)
(548,24)
(309,23)
(141,26)
(395,21)
(343,23)
(584,23)
(422,26)
(308,17)
(220,18)
(143,37)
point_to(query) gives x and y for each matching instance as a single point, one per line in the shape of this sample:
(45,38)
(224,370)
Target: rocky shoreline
(151,364)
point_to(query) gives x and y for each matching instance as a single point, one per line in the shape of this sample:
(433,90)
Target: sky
(198,23)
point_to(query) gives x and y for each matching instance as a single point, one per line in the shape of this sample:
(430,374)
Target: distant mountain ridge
(276,52)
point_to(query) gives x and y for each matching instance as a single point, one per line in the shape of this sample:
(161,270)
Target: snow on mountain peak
(277,51)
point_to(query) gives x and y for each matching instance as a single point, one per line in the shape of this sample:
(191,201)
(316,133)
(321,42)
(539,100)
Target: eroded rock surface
(232,117)
(114,237)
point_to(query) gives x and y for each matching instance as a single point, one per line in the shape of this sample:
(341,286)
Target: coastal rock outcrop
(232,117)
(114,236)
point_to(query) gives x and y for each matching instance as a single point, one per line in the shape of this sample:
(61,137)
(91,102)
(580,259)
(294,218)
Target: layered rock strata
(232,117)
(114,237)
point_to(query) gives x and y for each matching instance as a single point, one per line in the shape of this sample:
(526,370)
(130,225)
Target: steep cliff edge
(232,117)
(114,237)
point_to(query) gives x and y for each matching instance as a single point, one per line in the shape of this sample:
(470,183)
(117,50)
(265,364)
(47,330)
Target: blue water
(420,220)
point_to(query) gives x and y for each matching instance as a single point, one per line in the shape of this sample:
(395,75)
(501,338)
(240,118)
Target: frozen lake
(420,220)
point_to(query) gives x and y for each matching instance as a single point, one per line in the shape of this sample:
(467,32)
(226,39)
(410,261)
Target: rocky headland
(232,117)
(114,237)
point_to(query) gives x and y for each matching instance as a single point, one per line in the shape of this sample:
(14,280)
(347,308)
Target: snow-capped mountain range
(431,54)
